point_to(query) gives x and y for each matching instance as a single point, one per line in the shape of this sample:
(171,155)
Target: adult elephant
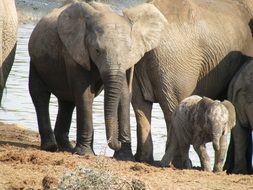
(240,93)
(203,45)
(70,49)
(8,39)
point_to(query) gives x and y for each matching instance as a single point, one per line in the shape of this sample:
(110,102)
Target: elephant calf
(197,121)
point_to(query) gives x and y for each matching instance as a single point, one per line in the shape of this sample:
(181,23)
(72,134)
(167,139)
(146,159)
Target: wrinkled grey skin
(70,50)
(202,47)
(197,121)
(8,39)
(240,93)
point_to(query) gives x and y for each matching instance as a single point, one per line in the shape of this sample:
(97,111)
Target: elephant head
(224,121)
(219,118)
(93,34)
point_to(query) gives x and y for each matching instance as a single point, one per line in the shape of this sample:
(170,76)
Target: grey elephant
(76,49)
(8,39)
(202,47)
(197,121)
(240,93)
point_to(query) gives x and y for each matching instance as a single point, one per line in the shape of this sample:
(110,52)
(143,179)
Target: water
(18,107)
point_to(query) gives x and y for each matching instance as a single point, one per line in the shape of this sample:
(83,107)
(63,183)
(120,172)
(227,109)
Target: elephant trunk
(113,83)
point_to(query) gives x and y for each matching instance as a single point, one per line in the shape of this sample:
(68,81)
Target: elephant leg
(125,153)
(177,158)
(40,97)
(171,148)
(62,125)
(240,137)
(142,109)
(5,70)
(229,164)
(184,150)
(220,154)
(181,159)
(203,156)
(85,133)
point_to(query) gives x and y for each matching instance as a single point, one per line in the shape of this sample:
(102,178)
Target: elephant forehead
(116,28)
(113,36)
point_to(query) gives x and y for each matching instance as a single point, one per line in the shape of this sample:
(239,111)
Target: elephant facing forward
(8,39)
(240,93)
(76,49)
(197,121)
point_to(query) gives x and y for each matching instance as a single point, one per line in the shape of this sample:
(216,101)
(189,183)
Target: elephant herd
(159,52)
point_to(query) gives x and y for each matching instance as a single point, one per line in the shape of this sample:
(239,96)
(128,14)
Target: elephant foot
(49,145)
(207,168)
(239,171)
(217,169)
(81,150)
(125,153)
(178,162)
(144,158)
(187,164)
(163,164)
(65,147)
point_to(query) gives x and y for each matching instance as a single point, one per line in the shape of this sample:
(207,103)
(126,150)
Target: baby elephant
(197,121)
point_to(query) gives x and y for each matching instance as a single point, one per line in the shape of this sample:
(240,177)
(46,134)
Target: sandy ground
(24,166)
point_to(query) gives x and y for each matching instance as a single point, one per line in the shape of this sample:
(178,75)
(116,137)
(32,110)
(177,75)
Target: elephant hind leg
(62,125)
(171,149)
(5,70)
(142,111)
(241,140)
(40,97)
(229,163)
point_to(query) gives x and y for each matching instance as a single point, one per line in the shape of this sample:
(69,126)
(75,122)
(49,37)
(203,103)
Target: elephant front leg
(62,125)
(220,154)
(84,144)
(142,111)
(203,156)
(125,153)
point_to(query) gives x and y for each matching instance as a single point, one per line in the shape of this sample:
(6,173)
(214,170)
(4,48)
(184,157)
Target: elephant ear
(72,28)
(148,24)
(231,111)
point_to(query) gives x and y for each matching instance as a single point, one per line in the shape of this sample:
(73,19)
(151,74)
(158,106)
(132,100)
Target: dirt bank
(24,166)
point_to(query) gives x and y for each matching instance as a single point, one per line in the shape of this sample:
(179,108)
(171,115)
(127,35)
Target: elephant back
(50,38)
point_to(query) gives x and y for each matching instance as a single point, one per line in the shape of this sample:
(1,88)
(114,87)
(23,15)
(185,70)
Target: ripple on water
(18,107)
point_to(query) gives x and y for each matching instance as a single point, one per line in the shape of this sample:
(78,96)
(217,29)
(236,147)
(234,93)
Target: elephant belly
(215,83)
(54,76)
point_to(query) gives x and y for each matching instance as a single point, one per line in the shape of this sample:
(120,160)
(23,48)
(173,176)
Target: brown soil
(24,166)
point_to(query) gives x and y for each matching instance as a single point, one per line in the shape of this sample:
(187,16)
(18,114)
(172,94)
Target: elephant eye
(98,52)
